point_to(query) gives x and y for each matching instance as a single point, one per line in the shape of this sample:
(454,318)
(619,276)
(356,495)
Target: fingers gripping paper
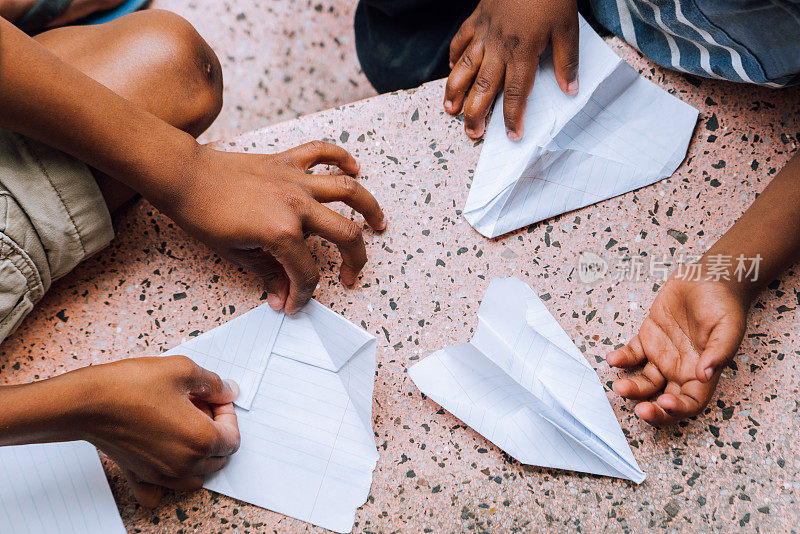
(525,386)
(238,350)
(619,133)
(304,411)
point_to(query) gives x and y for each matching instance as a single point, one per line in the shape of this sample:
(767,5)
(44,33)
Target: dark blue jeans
(404,43)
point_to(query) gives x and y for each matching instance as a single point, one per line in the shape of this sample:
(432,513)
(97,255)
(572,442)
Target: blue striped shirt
(752,41)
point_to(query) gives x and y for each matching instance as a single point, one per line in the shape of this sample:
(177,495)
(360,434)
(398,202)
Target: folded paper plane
(524,385)
(304,411)
(619,133)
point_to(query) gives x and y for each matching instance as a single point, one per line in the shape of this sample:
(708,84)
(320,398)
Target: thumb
(723,342)
(228,437)
(147,494)
(209,387)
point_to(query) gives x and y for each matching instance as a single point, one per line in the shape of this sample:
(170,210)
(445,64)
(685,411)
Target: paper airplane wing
(474,389)
(521,370)
(510,306)
(238,349)
(621,132)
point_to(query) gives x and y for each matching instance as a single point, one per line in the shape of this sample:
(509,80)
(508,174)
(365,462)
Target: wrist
(168,171)
(740,274)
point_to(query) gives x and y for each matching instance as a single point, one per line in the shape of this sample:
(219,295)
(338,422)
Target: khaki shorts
(52,216)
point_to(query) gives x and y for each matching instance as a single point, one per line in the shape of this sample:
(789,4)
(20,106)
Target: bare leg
(156,60)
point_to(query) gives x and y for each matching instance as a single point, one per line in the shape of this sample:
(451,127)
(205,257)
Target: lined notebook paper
(238,350)
(55,487)
(307,450)
(525,386)
(619,133)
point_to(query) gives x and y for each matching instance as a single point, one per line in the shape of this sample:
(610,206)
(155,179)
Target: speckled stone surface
(280,58)
(733,468)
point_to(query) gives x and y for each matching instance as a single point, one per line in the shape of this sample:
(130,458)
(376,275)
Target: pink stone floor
(280,58)
(733,468)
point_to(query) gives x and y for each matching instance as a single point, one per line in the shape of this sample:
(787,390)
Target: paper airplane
(619,133)
(524,385)
(307,450)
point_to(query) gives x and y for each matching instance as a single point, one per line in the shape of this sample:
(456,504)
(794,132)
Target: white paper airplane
(307,450)
(524,385)
(619,133)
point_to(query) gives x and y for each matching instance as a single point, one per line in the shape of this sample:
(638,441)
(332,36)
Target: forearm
(770,228)
(56,409)
(48,100)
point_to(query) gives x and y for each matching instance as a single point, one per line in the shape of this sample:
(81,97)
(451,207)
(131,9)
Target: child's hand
(256,210)
(694,329)
(498,47)
(165,421)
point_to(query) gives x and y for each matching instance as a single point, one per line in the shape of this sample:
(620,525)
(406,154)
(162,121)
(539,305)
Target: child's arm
(695,327)
(139,412)
(253,209)
(497,49)
(770,227)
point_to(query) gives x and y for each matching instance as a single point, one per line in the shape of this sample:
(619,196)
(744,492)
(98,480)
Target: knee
(184,55)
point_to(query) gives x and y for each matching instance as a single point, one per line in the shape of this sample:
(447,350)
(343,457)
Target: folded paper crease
(304,411)
(619,133)
(523,384)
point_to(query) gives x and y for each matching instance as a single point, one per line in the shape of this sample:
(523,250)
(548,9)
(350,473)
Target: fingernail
(382,223)
(709,372)
(451,64)
(347,278)
(349,284)
(473,133)
(448,105)
(572,88)
(513,135)
(274,301)
(234,387)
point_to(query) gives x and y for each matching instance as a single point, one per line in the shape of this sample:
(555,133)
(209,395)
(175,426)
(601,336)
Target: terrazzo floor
(280,58)
(733,468)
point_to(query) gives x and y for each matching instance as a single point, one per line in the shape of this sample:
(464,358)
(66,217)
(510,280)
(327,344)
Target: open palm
(693,330)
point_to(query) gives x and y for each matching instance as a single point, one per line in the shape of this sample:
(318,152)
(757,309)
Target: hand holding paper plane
(304,411)
(525,386)
(619,133)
